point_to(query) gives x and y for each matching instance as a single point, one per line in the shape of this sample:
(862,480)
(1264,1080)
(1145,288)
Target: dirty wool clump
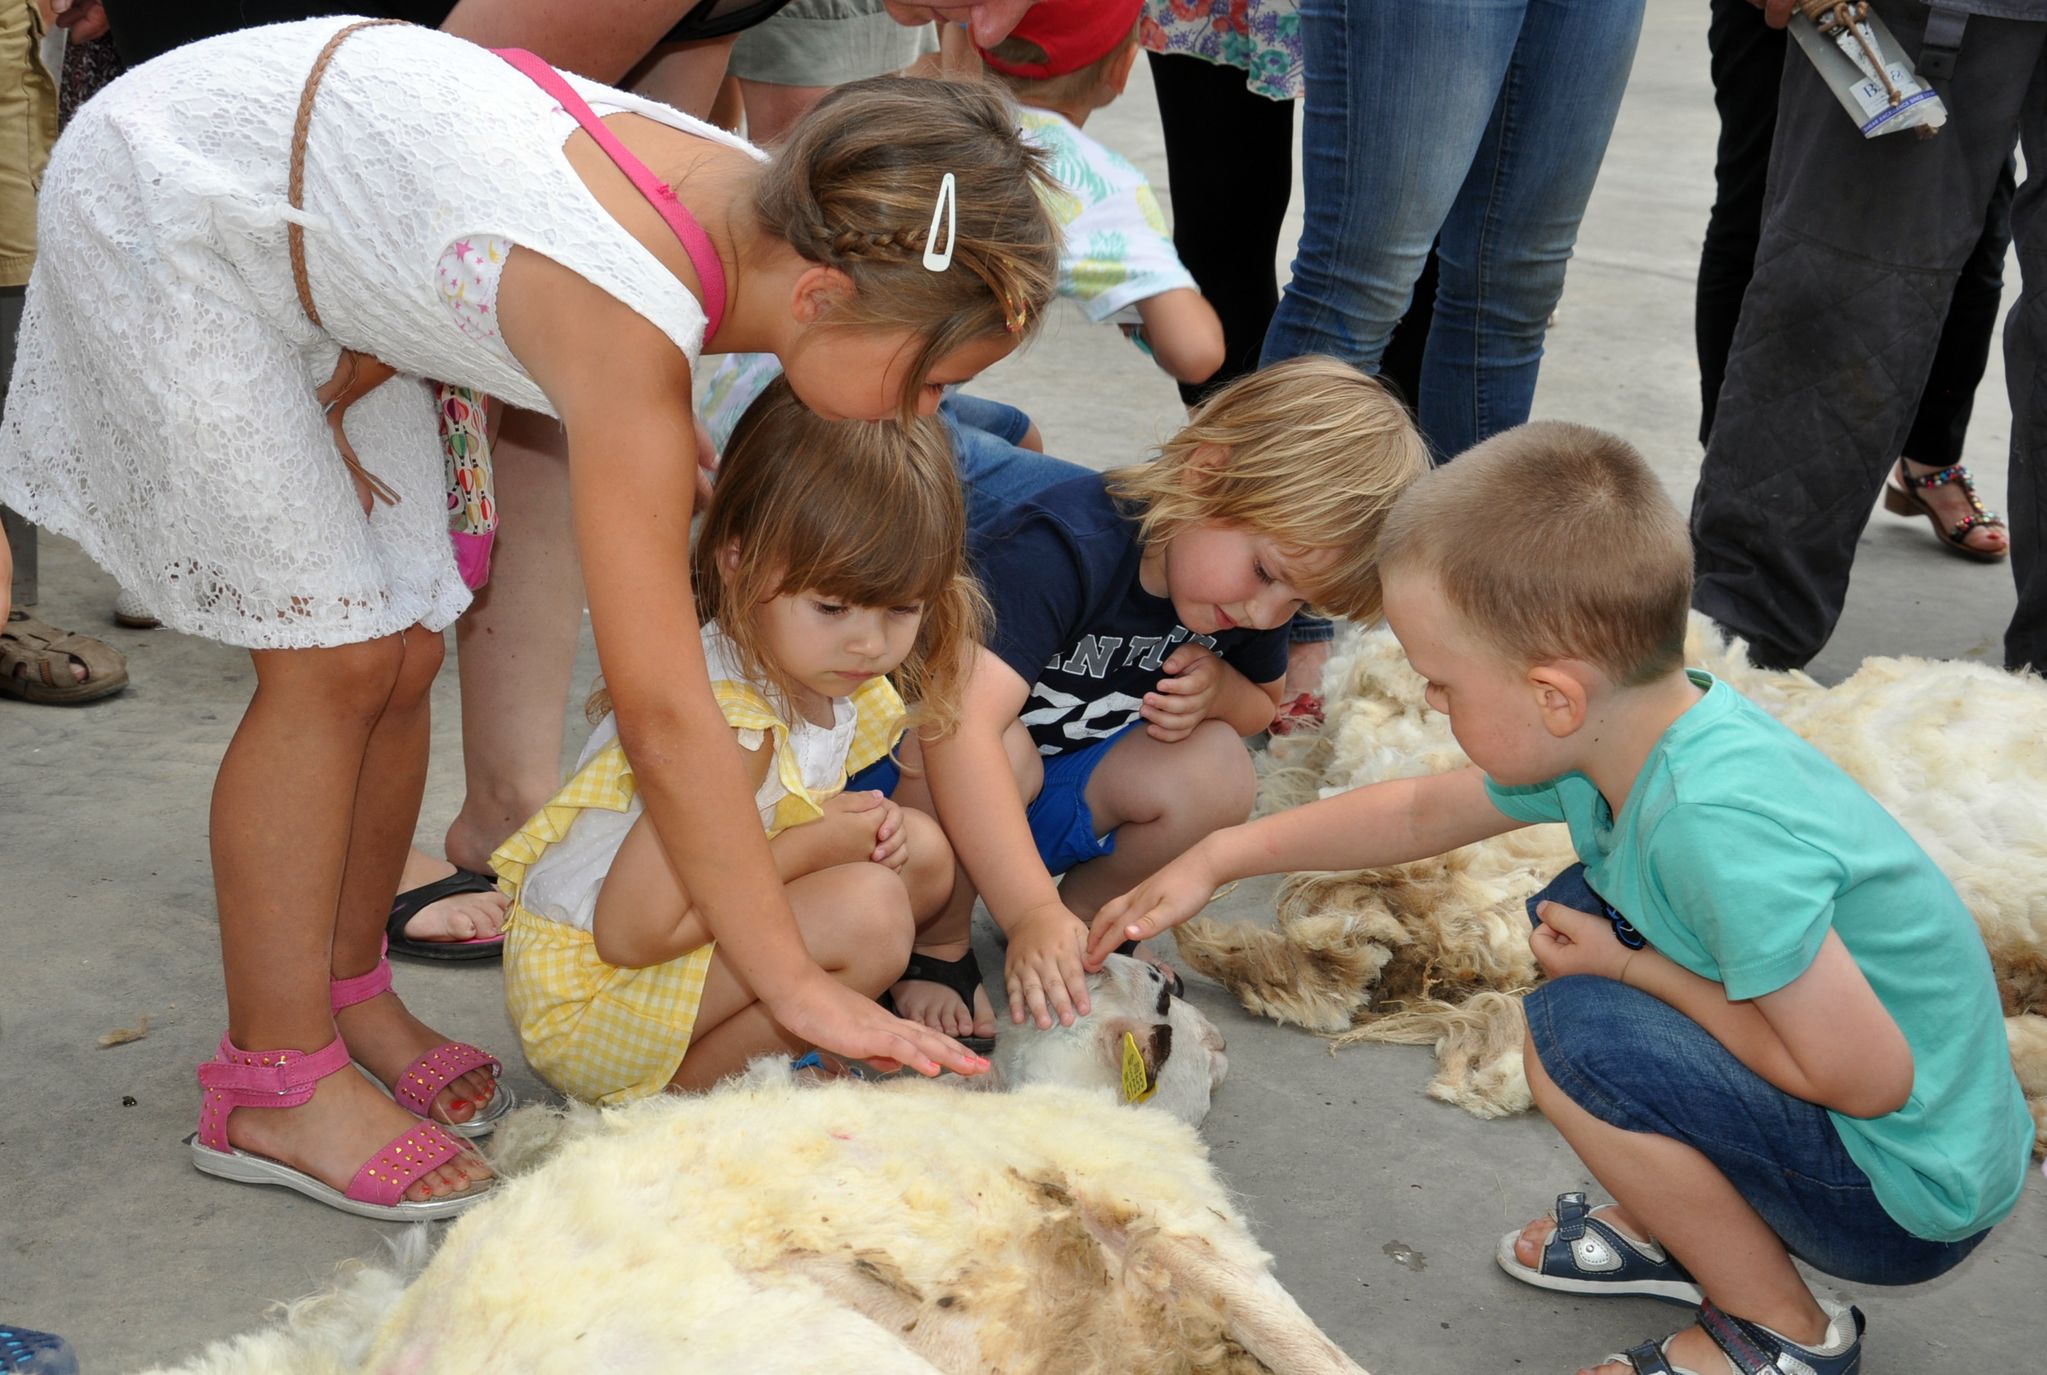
(775,1226)
(1436,952)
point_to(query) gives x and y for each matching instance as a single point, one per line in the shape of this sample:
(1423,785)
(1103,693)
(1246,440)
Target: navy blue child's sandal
(1752,1349)
(1587,1256)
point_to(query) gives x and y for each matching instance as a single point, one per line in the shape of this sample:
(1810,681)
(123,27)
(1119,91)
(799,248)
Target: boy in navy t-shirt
(1139,635)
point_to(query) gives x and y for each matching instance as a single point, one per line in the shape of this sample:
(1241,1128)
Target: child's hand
(1160,903)
(1042,971)
(891,837)
(1183,698)
(1574,942)
(854,821)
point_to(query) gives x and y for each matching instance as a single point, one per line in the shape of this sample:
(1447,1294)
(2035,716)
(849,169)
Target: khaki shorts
(28,126)
(827,43)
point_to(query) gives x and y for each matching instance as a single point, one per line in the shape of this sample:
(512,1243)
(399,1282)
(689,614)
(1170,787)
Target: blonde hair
(1554,541)
(1310,453)
(854,188)
(867,512)
(1078,84)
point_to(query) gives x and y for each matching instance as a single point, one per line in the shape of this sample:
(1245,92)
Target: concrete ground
(1381,1206)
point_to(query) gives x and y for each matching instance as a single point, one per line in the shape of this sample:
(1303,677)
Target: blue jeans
(1479,121)
(1637,1063)
(997,471)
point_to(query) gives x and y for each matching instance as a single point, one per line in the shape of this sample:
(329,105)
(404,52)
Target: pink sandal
(237,1078)
(425,1077)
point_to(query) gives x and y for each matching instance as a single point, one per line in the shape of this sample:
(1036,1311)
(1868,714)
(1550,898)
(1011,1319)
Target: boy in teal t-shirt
(1770,1025)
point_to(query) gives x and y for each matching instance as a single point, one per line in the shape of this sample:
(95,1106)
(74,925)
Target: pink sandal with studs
(423,1079)
(237,1078)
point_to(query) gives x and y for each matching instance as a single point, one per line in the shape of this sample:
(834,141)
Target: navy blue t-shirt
(1074,622)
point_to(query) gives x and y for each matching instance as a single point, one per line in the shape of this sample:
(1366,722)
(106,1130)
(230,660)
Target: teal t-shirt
(1739,846)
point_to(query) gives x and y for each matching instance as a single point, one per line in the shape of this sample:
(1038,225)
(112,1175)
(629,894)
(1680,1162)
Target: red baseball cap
(1073,33)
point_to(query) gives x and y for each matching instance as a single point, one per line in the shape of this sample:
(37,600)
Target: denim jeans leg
(1511,228)
(1398,95)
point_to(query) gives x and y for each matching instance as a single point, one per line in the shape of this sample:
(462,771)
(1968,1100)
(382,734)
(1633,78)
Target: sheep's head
(1180,1050)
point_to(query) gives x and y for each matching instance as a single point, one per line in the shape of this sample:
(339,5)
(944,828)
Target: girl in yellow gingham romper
(607,1034)
(831,561)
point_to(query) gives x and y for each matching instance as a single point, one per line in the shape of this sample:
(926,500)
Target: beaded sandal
(237,1078)
(1901,498)
(422,1081)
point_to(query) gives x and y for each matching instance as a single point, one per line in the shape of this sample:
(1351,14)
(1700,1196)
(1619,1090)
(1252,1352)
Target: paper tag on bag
(1844,58)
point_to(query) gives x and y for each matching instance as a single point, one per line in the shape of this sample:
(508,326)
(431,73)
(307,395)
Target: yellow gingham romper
(609,1035)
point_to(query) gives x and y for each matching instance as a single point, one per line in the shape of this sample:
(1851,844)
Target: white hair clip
(948,206)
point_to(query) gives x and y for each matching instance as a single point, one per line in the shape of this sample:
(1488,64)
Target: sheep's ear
(1154,1045)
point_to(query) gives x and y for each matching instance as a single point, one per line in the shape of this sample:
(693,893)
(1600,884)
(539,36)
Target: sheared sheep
(1436,952)
(776,1226)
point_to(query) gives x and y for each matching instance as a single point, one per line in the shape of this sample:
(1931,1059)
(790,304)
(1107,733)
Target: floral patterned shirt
(1261,36)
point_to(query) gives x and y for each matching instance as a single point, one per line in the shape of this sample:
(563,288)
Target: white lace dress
(162,411)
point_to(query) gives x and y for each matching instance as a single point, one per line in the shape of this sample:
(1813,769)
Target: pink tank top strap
(702,255)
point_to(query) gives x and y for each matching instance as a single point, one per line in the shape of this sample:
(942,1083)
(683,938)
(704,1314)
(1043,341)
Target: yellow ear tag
(1137,1085)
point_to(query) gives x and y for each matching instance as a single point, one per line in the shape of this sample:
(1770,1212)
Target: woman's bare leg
(517,643)
(283,809)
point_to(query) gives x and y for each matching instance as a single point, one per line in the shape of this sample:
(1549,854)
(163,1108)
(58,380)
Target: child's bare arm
(982,812)
(1185,336)
(1386,823)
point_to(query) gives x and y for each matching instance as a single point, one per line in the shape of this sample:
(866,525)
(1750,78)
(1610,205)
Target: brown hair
(1554,541)
(854,188)
(868,512)
(1310,453)
(1078,84)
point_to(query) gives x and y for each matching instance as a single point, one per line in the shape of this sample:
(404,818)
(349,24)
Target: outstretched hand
(1042,972)
(833,1017)
(1161,902)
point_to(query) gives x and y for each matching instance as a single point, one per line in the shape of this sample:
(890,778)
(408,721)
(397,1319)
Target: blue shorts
(1634,1061)
(1061,822)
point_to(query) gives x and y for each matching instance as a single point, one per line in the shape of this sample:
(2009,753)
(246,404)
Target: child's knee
(931,871)
(876,924)
(420,665)
(1216,785)
(352,683)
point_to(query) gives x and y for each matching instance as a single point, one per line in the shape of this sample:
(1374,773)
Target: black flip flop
(1174,984)
(409,903)
(962,976)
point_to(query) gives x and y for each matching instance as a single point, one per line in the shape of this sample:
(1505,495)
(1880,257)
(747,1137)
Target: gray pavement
(1381,1206)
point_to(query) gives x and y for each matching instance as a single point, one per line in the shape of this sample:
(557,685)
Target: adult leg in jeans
(1511,229)
(1838,331)
(2025,345)
(1229,164)
(1415,84)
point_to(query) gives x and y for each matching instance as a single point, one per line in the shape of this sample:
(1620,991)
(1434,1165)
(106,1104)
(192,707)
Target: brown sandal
(1901,497)
(35,664)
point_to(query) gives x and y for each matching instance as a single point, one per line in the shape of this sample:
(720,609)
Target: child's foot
(384,1039)
(1604,1252)
(1690,1350)
(344,1123)
(458,917)
(1528,1247)
(935,988)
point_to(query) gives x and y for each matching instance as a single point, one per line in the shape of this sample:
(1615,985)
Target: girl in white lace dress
(458,224)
